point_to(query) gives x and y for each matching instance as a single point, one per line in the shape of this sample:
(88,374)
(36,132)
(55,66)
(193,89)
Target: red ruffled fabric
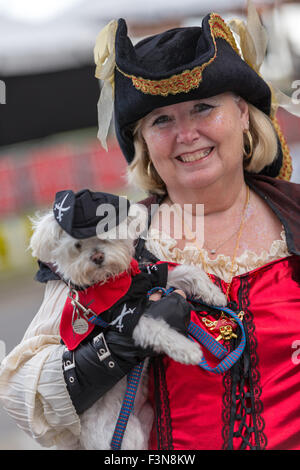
(200,402)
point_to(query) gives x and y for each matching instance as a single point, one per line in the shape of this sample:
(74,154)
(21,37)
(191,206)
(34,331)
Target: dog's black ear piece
(87,214)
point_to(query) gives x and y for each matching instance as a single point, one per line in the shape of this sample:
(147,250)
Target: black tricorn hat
(184,64)
(86,214)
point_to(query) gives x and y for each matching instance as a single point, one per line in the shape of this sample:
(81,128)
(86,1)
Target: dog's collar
(66,281)
(134,269)
(74,286)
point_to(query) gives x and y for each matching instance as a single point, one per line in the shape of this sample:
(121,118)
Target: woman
(205,133)
(195,122)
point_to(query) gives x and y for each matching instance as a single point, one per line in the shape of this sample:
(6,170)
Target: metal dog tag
(80,326)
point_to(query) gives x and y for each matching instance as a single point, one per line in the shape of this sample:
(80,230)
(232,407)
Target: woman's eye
(77,245)
(161,120)
(200,107)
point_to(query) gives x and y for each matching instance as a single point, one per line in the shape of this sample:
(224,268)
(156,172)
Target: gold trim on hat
(187,80)
(286,169)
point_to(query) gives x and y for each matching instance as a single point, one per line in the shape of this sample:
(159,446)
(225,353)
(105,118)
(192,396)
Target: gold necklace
(214,250)
(240,231)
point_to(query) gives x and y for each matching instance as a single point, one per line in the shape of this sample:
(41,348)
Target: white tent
(39,36)
(46,55)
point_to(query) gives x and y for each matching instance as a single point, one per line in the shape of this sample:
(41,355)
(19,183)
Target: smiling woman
(193,144)
(195,150)
(264,144)
(197,126)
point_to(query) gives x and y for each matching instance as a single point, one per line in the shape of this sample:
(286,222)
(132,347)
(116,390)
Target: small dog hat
(87,214)
(178,65)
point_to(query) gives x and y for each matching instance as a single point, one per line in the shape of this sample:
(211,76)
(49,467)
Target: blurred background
(48,122)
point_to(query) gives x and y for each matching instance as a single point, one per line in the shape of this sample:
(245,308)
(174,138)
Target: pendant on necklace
(224,326)
(213,251)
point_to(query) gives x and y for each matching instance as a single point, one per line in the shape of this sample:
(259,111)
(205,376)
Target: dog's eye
(78,245)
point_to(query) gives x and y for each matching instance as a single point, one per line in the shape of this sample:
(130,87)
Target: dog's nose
(98,258)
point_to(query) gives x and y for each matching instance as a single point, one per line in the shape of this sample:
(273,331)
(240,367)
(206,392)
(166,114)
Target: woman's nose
(187,132)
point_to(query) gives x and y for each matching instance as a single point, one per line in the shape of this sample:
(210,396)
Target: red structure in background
(50,171)
(8,186)
(109,167)
(290,126)
(32,180)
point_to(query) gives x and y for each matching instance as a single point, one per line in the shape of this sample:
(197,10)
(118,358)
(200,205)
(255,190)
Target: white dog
(87,261)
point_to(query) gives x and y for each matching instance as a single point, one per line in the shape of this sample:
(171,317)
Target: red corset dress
(256,403)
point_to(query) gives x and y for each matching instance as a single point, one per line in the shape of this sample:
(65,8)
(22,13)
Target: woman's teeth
(195,155)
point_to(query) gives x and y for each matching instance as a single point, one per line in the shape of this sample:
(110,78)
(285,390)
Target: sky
(35,10)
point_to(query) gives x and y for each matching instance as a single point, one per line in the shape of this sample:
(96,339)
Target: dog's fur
(93,260)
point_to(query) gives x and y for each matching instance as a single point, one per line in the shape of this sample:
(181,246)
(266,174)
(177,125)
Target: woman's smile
(196,156)
(193,144)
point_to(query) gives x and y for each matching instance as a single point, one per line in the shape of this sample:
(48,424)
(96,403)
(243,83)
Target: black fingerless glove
(174,309)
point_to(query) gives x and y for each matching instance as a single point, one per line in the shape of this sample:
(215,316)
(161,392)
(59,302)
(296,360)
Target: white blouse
(164,248)
(32,386)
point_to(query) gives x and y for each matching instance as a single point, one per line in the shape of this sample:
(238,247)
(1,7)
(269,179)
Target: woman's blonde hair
(141,172)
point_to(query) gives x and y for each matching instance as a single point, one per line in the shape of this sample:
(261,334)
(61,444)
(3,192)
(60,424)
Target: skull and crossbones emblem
(224,326)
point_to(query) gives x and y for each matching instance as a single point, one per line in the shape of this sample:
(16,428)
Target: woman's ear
(244,110)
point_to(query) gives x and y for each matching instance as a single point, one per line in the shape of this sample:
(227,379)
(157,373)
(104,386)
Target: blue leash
(215,348)
(133,379)
(195,332)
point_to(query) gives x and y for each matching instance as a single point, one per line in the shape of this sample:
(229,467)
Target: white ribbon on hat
(104,56)
(253,41)
(284,101)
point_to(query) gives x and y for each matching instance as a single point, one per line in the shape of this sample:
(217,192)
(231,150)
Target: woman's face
(194,143)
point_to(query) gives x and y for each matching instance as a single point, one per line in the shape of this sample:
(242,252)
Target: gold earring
(248,153)
(149,169)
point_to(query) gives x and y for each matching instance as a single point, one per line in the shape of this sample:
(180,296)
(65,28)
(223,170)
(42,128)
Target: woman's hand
(157,295)
(172,308)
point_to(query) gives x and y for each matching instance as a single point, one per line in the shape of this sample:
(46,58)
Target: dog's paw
(196,283)
(158,335)
(212,295)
